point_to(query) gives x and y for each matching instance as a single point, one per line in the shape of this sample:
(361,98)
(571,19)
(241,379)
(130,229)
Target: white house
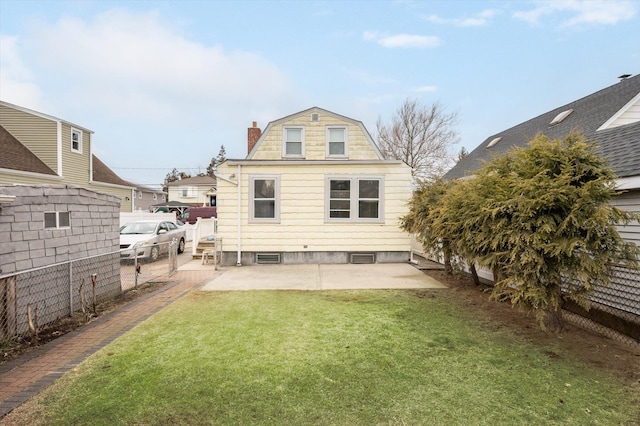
(314,188)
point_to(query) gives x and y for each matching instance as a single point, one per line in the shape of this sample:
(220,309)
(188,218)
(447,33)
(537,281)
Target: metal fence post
(135,269)
(70,289)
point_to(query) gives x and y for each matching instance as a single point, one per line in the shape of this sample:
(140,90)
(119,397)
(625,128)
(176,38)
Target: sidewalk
(25,377)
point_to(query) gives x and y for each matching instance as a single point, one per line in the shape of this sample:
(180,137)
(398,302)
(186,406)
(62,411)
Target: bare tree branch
(420,136)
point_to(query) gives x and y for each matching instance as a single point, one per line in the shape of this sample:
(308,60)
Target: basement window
(494,141)
(560,117)
(56,220)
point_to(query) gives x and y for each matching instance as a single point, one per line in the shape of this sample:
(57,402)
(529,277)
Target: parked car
(149,239)
(192,214)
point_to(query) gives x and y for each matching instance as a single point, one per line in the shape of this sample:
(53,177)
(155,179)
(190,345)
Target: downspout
(237,182)
(239,258)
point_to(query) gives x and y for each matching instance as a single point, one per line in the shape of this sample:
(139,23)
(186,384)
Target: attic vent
(315,117)
(560,117)
(494,141)
(267,258)
(361,258)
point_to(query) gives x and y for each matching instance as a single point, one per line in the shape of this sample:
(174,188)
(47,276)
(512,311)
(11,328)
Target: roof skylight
(560,117)
(494,141)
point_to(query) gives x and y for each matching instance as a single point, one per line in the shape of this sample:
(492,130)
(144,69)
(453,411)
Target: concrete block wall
(26,244)
(88,246)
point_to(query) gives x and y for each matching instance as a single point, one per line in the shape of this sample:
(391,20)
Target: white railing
(203,228)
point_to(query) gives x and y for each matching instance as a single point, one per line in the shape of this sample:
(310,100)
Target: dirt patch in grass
(14,348)
(588,347)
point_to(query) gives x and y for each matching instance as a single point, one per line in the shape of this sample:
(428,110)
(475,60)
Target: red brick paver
(23,378)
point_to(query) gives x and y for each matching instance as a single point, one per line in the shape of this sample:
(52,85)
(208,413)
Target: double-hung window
(336,142)
(293,142)
(76,140)
(264,193)
(354,199)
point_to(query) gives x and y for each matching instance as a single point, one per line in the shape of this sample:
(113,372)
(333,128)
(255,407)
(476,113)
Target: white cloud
(404,41)
(16,80)
(576,12)
(136,65)
(426,89)
(481,19)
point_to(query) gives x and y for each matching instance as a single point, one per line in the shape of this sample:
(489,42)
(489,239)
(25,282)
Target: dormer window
(336,142)
(494,142)
(293,142)
(558,119)
(76,140)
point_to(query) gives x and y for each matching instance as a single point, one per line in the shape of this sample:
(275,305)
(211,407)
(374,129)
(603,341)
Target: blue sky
(165,84)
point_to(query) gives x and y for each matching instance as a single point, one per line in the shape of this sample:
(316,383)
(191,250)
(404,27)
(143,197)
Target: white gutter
(628,183)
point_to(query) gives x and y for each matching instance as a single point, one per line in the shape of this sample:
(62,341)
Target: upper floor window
(188,191)
(56,220)
(354,199)
(76,140)
(337,142)
(293,142)
(140,194)
(264,203)
(155,196)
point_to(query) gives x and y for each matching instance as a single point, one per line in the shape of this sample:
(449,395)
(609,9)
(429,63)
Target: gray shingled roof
(620,145)
(15,156)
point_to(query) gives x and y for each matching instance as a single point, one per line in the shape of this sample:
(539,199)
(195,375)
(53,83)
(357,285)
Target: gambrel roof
(316,110)
(609,117)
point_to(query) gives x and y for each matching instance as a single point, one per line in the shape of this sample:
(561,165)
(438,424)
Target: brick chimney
(253,134)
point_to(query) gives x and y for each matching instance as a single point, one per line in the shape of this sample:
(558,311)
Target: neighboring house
(195,191)
(54,237)
(144,198)
(609,117)
(314,188)
(41,149)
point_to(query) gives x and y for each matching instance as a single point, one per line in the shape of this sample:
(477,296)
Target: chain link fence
(615,309)
(33,299)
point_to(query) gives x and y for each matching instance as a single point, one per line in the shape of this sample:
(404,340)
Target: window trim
(345,142)
(284,142)
(276,196)
(354,199)
(79,132)
(57,216)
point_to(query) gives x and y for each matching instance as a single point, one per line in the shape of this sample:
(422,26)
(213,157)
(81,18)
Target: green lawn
(329,358)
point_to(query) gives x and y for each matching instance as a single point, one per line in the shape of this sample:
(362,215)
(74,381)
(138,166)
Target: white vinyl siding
(293,142)
(188,191)
(302,211)
(630,202)
(264,204)
(358,147)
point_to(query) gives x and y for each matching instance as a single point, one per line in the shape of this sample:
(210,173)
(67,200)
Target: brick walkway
(24,377)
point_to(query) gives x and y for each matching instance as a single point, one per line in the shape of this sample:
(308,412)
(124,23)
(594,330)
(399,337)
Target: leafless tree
(420,136)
